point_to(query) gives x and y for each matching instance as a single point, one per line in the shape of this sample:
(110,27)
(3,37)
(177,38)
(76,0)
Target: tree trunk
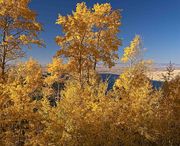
(3,70)
(95,63)
(3,59)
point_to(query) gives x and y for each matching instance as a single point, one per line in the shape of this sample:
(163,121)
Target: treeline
(83,112)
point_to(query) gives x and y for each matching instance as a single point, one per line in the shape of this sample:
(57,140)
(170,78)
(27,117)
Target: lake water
(111,78)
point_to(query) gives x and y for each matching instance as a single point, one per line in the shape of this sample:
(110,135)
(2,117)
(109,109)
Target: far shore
(154,74)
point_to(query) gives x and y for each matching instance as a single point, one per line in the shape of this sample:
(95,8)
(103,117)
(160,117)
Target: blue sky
(157,21)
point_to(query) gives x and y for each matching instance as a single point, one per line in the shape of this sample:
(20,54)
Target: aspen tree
(90,36)
(18,28)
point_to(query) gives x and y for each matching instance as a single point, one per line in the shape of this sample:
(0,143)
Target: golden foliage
(26,118)
(131,52)
(90,36)
(56,69)
(18,27)
(85,113)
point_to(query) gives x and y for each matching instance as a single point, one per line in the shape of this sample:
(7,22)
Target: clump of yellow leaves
(25,117)
(86,114)
(131,52)
(17,104)
(56,70)
(23,80)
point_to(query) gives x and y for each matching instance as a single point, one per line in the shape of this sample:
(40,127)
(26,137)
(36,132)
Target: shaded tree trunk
(3,56)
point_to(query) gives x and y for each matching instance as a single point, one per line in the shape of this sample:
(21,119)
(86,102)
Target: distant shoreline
(153,74)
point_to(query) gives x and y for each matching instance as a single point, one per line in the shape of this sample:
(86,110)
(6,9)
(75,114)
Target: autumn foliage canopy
(67,103)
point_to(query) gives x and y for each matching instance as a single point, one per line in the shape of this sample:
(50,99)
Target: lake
(111,78)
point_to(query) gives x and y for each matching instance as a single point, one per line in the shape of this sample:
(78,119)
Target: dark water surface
(111,78)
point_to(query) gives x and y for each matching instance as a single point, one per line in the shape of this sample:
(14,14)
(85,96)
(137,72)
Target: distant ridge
(118,68)
(164,65)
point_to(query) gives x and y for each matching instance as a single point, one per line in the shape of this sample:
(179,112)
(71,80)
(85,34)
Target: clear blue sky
(157,21)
